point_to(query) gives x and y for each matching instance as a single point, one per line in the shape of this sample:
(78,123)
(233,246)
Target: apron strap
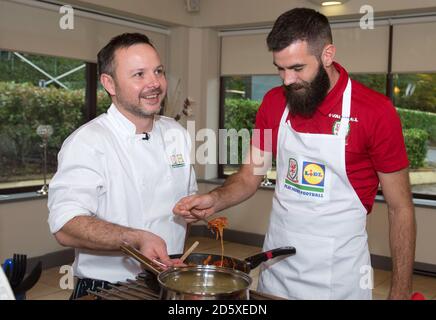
(346,106)
(284,118)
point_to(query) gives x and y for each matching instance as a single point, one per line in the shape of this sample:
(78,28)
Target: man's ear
(108,83)
(328,55)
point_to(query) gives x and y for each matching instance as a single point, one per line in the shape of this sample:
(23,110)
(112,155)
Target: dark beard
(303,98)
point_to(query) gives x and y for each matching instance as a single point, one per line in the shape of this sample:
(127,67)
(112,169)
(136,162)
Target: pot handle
(257,259)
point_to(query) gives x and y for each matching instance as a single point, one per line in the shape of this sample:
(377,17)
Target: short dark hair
(300,24)
(106,55)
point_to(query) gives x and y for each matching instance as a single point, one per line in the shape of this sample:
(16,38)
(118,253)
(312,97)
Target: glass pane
(415,97)
(262,84)
(237,87)
(103,100)
(376,82)
(36,91)
(243,96)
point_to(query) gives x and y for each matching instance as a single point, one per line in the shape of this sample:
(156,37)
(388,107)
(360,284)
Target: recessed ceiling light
(325,3)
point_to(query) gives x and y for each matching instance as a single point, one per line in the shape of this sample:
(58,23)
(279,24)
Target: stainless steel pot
(204,283)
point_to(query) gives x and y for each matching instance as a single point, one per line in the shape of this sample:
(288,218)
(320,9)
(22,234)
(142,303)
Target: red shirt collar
(335,95)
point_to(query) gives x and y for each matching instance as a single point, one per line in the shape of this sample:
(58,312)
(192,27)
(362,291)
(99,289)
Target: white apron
(316,210)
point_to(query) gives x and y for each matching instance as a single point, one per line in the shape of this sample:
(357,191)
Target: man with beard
(120,175)
(334,141)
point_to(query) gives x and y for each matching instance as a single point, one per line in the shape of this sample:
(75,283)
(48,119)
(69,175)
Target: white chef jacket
(108,171)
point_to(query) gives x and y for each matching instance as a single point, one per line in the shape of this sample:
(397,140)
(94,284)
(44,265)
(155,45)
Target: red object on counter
(417,296)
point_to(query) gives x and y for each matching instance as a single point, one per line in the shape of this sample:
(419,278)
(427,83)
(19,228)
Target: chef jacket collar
(125,125)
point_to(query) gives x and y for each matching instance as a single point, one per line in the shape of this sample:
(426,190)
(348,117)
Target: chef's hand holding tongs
(151,251)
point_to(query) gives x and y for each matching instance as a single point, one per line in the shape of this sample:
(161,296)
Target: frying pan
(195,281)
(245,265)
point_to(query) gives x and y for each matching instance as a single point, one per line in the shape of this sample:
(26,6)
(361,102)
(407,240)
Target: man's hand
(237,188)
(154,248)
(201,205)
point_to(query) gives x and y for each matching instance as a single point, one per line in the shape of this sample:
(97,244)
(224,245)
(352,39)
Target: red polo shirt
(374,143)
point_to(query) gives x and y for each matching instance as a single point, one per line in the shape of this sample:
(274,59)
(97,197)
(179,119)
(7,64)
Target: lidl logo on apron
(312,178)
(313,174)
(177,161)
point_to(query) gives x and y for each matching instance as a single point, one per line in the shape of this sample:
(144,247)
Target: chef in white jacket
(120,174)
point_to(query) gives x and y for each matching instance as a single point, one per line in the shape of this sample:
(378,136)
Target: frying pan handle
(257,259)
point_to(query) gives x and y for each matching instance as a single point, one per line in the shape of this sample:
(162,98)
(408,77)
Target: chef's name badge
(177,161)
(309,181)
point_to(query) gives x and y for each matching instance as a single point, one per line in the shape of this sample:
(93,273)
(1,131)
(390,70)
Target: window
(242,98)
(376,82)
(36,91)
(415,98)
(103,100)
(54,86)
(398,61)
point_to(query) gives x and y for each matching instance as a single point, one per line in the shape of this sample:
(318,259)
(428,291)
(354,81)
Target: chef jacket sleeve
(78,183)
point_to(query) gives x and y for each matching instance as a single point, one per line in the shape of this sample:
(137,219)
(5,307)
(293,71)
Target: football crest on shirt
(177,160)
(337,125)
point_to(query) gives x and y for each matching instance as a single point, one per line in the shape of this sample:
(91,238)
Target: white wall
(194,59)
(378,233)
(24,229)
